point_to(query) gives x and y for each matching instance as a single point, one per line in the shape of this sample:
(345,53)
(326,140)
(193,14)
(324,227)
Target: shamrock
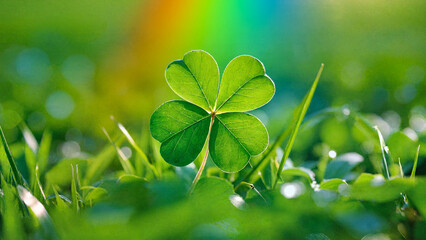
(213,113)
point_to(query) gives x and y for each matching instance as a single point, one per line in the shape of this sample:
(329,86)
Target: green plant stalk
(203,163)
(293,134)
(74,176)
(400,168)
(322,163)
(17,175)
(413,172)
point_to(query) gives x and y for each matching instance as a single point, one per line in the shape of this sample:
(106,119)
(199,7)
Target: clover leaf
(213,113)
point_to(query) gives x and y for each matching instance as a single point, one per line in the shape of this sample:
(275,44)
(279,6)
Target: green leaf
(375,188)
(342,165)
(401,147)
(332,184)
(95,194)
(301,172)
(244,86)
(195,78)
(213,189)
(234,138)
(182,129)
(418,195)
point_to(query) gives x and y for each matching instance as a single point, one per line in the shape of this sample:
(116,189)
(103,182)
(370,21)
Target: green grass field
(127,191)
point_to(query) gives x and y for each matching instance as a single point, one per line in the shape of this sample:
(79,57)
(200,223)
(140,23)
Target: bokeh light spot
(59,105)
(127,152)
(418,123)
(33,65)
(70,149)
(332,154)
(292,190)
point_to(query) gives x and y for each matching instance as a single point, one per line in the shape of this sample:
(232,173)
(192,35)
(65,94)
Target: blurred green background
(67,66)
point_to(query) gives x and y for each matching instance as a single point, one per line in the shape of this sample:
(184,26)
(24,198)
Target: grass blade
(17,175)
(43,152)
(401,172)
(99,163)
(11,218)
(413,172)
(74,193)
(384,149)
(127,166)
(301,114)
(283,136)
(37,189)
(40,212)
(30,159)
(29,138)
(61,201)
(136,147)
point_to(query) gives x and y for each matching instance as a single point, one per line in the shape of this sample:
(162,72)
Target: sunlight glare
(332,154)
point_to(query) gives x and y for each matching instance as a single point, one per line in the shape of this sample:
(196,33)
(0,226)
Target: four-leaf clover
(213,113)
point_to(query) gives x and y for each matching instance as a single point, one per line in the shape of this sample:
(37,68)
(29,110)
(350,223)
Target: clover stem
(203,163)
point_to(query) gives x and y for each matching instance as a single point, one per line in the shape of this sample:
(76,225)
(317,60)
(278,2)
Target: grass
(109,195)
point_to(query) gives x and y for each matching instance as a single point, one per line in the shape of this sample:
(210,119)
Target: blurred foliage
(345,199)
